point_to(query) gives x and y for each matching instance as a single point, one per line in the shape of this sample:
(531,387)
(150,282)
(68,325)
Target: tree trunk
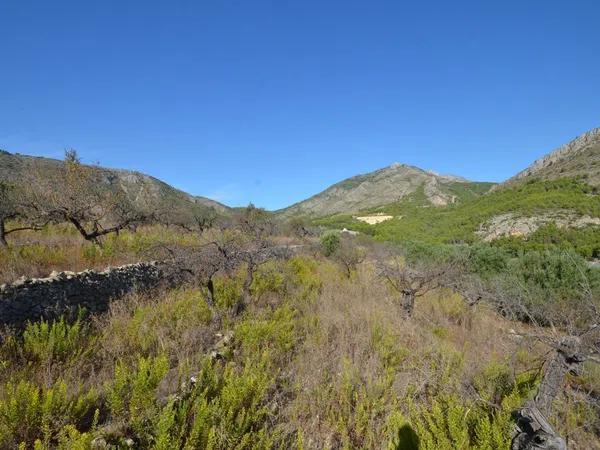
(533,429)
(534,432)
(567,359)
(408,301)
(210,285)
(3,242)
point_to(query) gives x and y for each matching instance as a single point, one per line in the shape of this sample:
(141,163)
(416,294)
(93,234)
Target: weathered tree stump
(533,429)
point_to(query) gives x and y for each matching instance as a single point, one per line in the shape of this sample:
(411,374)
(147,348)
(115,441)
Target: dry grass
(59,248)
(330,361)
(362,360)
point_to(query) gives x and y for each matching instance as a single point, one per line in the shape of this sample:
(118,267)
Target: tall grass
(317,360)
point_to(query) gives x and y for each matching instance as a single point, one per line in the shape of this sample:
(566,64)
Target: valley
(448,314)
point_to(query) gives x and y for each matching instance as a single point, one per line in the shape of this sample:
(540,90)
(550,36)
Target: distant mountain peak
(380,187)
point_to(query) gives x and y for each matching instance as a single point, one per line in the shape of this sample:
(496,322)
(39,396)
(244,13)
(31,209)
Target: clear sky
(271,102)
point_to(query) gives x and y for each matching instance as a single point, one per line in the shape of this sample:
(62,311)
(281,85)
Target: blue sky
(271,102)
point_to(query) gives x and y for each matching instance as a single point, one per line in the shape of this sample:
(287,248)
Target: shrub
(229,291)
(276,331)
(153,325)
(29,413)
(131,395)
(487,261)
(267,278)
(226,409)
(56,341)
(330,242)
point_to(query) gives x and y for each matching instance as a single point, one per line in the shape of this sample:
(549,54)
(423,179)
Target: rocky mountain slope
(141,189)
(578,158)
(385,186)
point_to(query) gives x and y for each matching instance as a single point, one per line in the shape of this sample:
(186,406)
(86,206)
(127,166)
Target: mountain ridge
(379,187)
(139,187)
(579,157)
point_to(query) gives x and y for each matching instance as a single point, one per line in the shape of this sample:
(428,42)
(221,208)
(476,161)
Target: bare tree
(78,194)
(569,353)
(349,254)
(190,216)
(300,227)
(15,206)
(255,222)
(411,281)
(573,339)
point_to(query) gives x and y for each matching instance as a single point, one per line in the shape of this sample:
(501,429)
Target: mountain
(579,158)
(384,186)
(555,201)
(141,189)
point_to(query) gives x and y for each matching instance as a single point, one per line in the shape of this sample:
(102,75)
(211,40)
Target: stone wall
(65,292)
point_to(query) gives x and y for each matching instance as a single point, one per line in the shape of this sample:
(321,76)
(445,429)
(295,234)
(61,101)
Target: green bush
(56,341)
(268,278)
(276,331)
(330,242)
(487,261)
(229,290)
(180,312)
(29,412)
(131,396)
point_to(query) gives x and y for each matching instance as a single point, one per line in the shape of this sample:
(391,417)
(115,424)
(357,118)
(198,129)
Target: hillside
(388,185)
(563,213)
(578,158)
(141,189)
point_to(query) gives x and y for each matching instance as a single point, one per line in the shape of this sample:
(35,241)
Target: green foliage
(586,240)
(182,311)
(330,242)
(351,408)
(165,438)
(277,332)
(229,291)
(132,394)
(416,220)
(385,343)
(69,438)
(268,278)
(301,273)
(312,366)
(449,422)
(228,410)
(563,272)
(56,341)
(487,261)
(29,412)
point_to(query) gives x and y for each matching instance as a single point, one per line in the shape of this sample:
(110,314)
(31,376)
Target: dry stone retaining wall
(65,292)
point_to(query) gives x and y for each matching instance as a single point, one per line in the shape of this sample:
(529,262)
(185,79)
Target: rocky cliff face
(580,157)
(515,225)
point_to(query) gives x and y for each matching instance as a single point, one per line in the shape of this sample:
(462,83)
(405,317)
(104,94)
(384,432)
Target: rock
(99,443)
(64,292)
(511,224)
